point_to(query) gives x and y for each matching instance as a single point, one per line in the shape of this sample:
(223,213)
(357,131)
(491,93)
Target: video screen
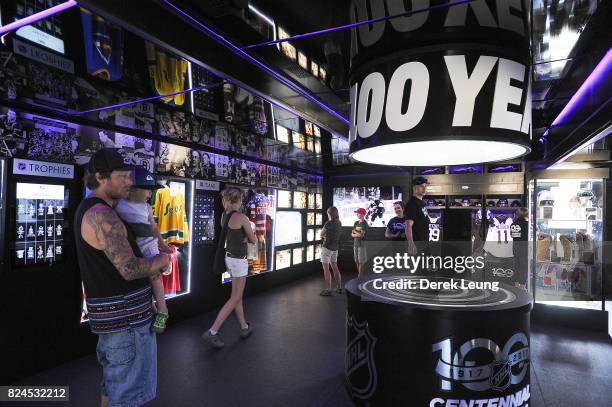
(289,228)
(284,199)
(310,219)
(319,201)
(310,253)
(310,235)
(308,128)
(317,252)
(298,256)
(314,68)
(312,201)
(299,141)
(322,74)
(283,259)
(318,233)
(46,32)
(377,201)
(299,200)
(303,60)
(40,224)
(282,134)
(287,49)
(319,219)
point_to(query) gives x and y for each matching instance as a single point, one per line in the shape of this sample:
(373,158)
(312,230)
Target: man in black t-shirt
(416,220)
(395,228)
(395,231)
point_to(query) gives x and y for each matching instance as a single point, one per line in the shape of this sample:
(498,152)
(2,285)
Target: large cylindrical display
(448,84)
(436,348)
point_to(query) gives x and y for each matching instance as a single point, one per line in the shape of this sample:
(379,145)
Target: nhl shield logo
(500,375)
(360,368)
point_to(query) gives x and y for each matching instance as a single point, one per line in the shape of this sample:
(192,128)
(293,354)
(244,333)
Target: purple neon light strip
(236,50)
(133,102)
(357,24)
(36,17)
(601,71)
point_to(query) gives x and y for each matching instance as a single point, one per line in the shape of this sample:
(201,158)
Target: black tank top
(100,277)
(234,242)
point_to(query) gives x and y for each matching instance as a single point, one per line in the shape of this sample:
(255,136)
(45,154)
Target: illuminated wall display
(464,100)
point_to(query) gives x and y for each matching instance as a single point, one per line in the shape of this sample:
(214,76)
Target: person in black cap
(415,214)
(116,282)
(137,213)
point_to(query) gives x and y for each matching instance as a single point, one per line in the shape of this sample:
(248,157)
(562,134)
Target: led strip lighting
(599,74)
(36,17)
(357,24)
(261,65)
(133,102)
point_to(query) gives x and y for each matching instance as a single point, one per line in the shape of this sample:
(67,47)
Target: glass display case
(40,224)
(567,222)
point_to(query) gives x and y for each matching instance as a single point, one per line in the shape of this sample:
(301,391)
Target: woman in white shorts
(238,233)
(329,252)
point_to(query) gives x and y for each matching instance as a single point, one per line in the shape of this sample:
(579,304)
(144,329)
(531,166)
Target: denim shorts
(129,366)
(237,267)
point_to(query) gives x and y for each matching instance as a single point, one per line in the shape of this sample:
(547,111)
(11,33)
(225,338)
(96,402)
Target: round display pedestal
(453,346)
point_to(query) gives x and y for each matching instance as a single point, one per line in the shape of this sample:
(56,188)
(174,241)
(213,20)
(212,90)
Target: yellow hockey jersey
(167,73)
(171,217)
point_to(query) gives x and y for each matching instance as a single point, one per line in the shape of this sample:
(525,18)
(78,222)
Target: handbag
(219,262)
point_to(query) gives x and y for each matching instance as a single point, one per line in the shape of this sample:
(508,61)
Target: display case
(567,221)
(40,223)
(283,259)
(289,230)
(299,200)
(172,208)
(309,253)
(259,204)
(284,199)
(298,256)
(204,212)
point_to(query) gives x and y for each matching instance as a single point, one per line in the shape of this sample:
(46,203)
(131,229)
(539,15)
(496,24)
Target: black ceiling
(550,94)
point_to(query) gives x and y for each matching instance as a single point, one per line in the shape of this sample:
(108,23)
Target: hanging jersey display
(103,47)
(172,281)
(170,216)
(258,210)
(167,74)
(499,240)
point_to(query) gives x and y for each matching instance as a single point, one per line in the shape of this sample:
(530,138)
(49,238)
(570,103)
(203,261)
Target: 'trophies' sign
(43,169)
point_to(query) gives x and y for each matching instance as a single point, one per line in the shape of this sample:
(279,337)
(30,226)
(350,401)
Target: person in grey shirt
(329,252)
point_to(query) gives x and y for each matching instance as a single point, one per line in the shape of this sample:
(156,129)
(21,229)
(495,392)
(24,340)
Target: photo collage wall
(300,212)
(223,117)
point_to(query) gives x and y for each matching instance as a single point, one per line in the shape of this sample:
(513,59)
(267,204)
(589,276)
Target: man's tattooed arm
(110,236)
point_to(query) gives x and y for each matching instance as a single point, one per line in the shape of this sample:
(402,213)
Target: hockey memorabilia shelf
(567,229)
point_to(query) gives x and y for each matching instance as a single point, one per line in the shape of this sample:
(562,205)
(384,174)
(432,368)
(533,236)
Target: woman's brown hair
(332,212)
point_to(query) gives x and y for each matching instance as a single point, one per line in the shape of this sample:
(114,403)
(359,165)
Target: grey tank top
(234,242)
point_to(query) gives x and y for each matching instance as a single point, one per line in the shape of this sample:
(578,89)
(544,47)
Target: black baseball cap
(108,160)
(419,181)
(143,179)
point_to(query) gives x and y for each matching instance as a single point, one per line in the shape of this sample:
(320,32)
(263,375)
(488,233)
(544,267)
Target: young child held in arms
(137,213)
